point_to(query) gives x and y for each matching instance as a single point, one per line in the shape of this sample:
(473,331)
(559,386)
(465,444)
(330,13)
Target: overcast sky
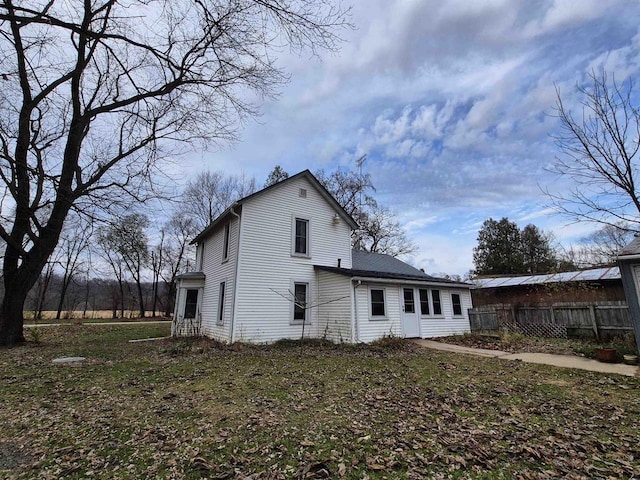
(452,101)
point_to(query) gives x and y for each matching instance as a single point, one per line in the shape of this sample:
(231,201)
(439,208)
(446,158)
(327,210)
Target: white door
(410,318)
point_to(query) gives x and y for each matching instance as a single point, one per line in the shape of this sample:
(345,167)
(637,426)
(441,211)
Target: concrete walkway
(563,361)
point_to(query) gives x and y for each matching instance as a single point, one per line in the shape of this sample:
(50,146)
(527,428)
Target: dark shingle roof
(378,262)
(379,265)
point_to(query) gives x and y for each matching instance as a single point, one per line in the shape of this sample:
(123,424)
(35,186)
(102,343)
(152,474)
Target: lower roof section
(378,275)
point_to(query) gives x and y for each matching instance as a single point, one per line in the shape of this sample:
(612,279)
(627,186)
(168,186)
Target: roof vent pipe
(339,261)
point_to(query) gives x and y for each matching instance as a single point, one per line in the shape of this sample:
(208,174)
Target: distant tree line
(127,264)
(504,249)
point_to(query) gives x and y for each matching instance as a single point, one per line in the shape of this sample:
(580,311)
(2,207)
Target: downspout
(235,282)
(355,334)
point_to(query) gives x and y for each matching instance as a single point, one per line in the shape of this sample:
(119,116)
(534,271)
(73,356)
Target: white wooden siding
(447,324)
(267,266)
(370,330)
(217,271)
(334,307)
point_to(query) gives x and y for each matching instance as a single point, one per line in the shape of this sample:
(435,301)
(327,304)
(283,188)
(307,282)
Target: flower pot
(630,359)
(607,355)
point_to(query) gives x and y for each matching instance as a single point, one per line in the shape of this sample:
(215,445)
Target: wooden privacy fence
(599,319)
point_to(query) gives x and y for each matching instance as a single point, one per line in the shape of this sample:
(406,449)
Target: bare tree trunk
(66,280)
(11,328)
(140,299)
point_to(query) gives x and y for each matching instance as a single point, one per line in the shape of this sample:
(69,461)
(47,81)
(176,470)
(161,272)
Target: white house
(280,260)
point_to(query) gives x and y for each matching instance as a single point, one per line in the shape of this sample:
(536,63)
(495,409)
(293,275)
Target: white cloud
(451,102)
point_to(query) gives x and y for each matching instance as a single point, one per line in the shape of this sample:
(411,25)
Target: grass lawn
(178,409)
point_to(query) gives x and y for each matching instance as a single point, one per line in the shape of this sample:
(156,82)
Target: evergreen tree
(499,248)
(537,253)
(504,249)
(277,175)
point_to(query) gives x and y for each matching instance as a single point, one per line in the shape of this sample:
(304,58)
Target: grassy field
(78,315)
(178,409)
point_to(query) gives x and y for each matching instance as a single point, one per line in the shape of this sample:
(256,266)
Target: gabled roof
(379,265)
(304,174)
(632,249)
(590,275)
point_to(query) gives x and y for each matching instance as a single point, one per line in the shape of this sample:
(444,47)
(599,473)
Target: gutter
(235,280)
(622,258)
(412,282)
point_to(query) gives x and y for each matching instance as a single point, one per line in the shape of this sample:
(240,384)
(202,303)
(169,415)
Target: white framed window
(221,298)
(225,245)
(436,302)
(430,302)
(301,245)
(377,303)
(456,303)
(191,303)
(424,302)
(300,302)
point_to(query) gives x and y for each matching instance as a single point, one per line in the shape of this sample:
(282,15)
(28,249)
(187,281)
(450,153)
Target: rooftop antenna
(359,164)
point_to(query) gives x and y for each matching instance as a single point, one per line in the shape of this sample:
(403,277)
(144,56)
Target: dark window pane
(457,306)
(300,292)
(221,303)
(301,236)
(191,304)
(424,302)
(435,297)
(377,303)
(225,253)
(409,303)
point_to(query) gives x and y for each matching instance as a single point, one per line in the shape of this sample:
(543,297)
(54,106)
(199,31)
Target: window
(225,248)
(378,308)
(457,305)
(435,300)
(301,237)
(221,304)
(300,302)
(424,301)
(409,302)
(191,303)
(201,259)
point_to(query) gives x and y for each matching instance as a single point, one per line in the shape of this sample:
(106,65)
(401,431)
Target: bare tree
(95,93)
(210,193)
(127,242)
(74,242)
(157,257)
(377,231)
(178,232)
(599,150)
(602,246)
(380,232)
(116,264)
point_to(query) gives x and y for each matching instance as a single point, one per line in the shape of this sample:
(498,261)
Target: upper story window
(301,237)
(225,247)
(456,303)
